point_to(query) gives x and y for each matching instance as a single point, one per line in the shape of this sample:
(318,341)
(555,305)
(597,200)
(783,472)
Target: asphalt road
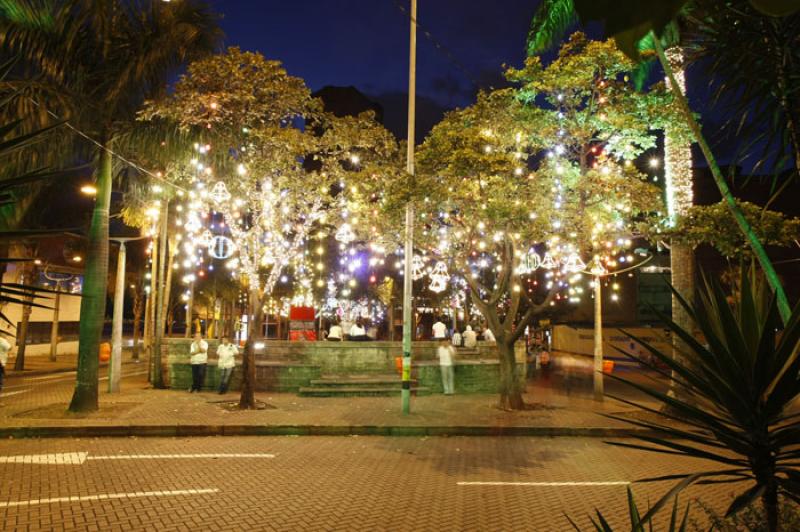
(323,483)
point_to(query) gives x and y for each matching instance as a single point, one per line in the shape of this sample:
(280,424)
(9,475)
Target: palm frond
(550,24)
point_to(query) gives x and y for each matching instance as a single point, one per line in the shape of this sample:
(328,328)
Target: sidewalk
(42,365)
(142,411)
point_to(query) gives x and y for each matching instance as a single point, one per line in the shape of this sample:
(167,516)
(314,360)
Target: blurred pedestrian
(446,353)
(5,347)
(226,362)
(439,329)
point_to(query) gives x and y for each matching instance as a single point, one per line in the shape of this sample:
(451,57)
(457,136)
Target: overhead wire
(109,150)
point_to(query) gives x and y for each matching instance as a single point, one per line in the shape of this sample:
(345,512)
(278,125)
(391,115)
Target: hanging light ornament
(439,277)
(596,267)
(221,247)
(219,193)
(345,234)
(548,263)
(574,264)
(205,239)
(530,262)
(417,268)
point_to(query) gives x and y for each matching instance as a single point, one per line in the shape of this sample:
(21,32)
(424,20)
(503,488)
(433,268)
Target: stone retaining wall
(286,366)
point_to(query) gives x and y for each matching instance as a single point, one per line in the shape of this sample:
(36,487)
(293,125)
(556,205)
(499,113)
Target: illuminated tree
(283,167)
(524,192)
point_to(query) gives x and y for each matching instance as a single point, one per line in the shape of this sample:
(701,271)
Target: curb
(119,431)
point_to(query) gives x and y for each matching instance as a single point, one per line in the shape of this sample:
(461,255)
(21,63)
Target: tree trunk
(771,508)
(22,337)
(28,276)
(682,267)
(167,313)
(680,198)
(137,318)
(744,226)
(510,387)
(93,301)
(247,400)
(149,315)
(158,336)
(189,304)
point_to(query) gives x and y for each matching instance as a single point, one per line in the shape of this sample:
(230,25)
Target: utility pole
(598,271)
(598,340)
(115,367)
(57,279)
(54,327)
(408,281)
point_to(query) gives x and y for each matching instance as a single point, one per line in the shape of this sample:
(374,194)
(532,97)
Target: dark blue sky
(364,43)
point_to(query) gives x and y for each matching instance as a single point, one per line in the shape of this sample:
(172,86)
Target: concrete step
(369,381)
(358,391)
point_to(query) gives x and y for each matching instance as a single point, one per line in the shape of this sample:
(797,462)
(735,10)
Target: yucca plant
(637,522)
(738,385)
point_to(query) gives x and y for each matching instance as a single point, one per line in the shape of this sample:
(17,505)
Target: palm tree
(638,24)
(95,62)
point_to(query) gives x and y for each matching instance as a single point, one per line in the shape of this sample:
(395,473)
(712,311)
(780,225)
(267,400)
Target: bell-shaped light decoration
(345,234)
(574,264)
(439,277)
(530,262)
(548,263)
(219,192)
(417,268)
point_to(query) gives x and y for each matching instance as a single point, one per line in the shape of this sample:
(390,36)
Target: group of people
(226,361)
(469,338)
(357,332)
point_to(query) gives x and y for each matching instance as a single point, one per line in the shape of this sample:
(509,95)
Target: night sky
(364,43)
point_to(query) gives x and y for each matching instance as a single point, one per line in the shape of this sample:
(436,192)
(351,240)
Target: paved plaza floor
(40,401)
(325,483)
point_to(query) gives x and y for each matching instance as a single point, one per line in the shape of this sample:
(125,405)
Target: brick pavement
(42,365)
(333,484)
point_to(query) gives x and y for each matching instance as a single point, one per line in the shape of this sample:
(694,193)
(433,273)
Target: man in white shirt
(335,334)
(5,347)
(470,337)
(198,352)
(226,361)
(445,352)
(357,332)
(439,330)
(456,339)
(488,335)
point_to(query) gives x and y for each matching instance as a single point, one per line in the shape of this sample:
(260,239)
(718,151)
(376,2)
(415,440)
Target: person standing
(470,337)
(226,361)
(446,352)
(439,330)
(199,358)
(5,347)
